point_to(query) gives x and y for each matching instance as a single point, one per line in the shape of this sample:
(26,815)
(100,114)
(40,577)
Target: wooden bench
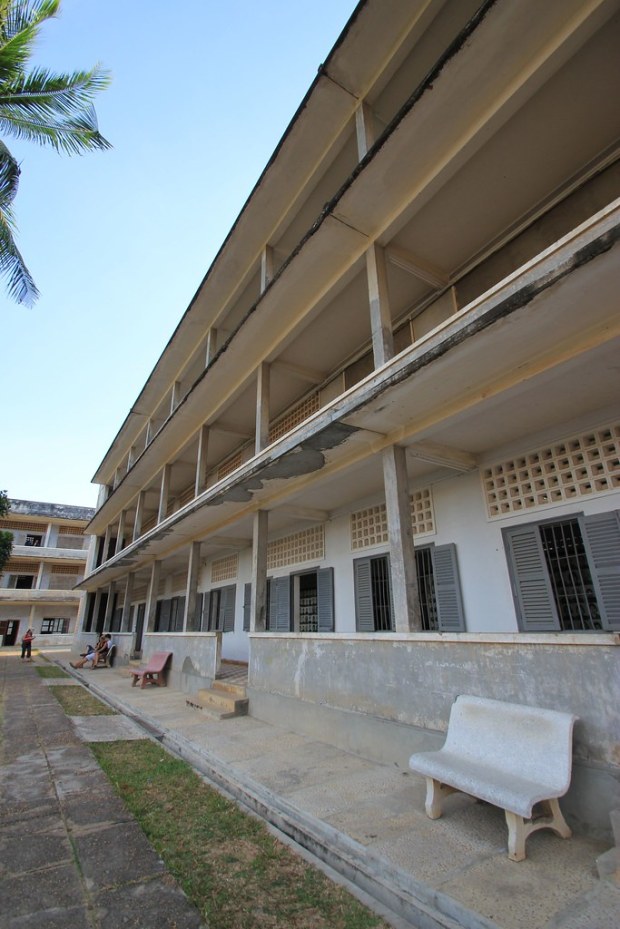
(106,659)
(154,672)
(512,756)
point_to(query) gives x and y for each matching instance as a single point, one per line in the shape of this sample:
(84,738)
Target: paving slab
(71,853)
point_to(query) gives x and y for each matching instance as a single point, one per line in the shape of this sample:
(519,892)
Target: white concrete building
(379,457)
(47,561)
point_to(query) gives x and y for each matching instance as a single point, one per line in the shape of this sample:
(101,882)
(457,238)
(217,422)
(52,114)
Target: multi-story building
(47,560)
(379,457)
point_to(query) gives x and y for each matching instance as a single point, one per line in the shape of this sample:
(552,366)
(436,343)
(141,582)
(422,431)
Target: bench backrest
(158,661)
(526,740)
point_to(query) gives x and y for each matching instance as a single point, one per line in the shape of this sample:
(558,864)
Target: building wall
(387,696)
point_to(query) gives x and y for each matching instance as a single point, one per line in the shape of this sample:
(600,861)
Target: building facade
(48,559)
(379,457)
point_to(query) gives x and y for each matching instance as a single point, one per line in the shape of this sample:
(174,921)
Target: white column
(407,616)
(191,592)
(258,602)
(364,129)
(266,267)
(211,346)
(126,617)
(108,608)
(151,600)
(163,494)
(106,544)
(120,532)
(201,463)
(378,298)
(137,524)
(262,407)
(174,396)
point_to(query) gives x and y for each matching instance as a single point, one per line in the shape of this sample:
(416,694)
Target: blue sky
(118,242)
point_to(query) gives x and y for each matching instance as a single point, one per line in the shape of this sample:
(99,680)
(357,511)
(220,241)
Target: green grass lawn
(232,868)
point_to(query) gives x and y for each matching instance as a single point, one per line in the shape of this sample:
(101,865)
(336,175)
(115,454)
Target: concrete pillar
(201,463)
(258,602)
(151,600)
(262,408)
(96,609)
(163,493)
(266,267)
(137,524)
(364,129)
(120,532)
(174,396)
(190,620)
(106,544)
(378,298)
(51,536)
(109,607)
(211,346)
(407,617)
(126,617)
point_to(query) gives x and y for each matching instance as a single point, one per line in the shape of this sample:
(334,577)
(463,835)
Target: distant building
(379,457)
(48,560)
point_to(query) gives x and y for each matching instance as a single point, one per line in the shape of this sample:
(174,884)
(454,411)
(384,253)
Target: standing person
(27,645)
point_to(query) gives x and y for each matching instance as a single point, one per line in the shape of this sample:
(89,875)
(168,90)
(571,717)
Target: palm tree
(51,109)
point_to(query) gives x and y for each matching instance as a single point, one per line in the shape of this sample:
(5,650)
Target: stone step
(220,703)
(228,687)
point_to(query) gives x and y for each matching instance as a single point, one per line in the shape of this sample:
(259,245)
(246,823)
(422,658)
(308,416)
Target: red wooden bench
(154,672)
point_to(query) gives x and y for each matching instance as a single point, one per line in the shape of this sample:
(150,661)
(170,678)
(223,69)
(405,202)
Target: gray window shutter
(536,610)
(164,616)
(602,537)
(204,618)
(227,608)
(193,622)
(364,614)
(280,604)
(450,613)
(180,613)
(325,599)
(247,601)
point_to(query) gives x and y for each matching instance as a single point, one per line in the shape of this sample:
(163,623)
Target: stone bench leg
(519,828)
(435,793)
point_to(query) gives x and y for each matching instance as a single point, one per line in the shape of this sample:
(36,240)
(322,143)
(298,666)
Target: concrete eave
(456,366)
(368,42)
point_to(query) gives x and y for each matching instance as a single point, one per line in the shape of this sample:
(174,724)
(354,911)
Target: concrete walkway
(367,821)
(71,855)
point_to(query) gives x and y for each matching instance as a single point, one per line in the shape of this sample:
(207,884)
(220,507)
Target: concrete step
(218,703)
(238,690)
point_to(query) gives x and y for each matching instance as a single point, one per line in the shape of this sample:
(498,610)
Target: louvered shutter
(204,617)
(450,615)
(364,613)
(227,608)
(180,614)
(536,610)
(602,537)
(280,604)
(164,615)
(247,602)
(325,599)
(193,622)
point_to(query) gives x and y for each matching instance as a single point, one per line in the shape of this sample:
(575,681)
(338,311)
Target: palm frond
(20,23)
(20,283)
(9,180)
(54,109)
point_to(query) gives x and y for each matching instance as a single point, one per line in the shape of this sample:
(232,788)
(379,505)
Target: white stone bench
(509,755)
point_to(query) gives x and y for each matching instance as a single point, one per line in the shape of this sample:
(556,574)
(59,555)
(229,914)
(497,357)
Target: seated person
(93,657)
(90,649)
